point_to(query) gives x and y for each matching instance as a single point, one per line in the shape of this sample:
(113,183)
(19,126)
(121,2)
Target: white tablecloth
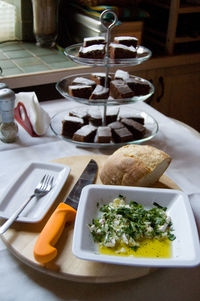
(21,282)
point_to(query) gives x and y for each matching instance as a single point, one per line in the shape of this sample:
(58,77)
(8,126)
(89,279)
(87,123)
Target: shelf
(175,11)
(183,9)
(162,35)
(186,39)
(189,9)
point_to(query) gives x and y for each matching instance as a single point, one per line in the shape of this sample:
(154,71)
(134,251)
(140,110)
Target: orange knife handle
(44,250)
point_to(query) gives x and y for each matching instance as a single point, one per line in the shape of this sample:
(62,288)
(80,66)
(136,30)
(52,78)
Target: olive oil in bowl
(149,248)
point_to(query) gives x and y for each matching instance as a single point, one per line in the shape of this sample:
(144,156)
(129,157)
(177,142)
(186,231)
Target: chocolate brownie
(126,40)
(130,115)
(119,51)
(95,116)
(104,134)
(81,91)
(80,113)
(120,74)
(119,90)
(122,135)
(138,85)
(137,129)
(92,52)
(84,81)
(111,114)
(116,125)
(85,134)
(70,125)
(99,78)
(100,93)
(93,41)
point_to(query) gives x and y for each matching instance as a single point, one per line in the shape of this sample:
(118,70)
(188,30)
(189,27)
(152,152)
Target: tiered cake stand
(71,52)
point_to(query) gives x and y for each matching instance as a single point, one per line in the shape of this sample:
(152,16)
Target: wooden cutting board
(20,239)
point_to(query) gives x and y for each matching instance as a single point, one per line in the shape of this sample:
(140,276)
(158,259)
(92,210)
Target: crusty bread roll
(134,165)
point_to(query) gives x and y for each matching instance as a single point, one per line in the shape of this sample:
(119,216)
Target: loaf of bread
(134,165)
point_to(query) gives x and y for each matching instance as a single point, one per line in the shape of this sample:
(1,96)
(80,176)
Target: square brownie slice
(99,78)
(122,135)
(104,134)
(119,51)
(95,116)
(130,115)
(136,128)
(84,81)
(100,93)
(126,40)
(111,114)
(81,91)
(121,74)
(138,85)
(80,113)
(70,125)
(88,41)
(85,134)
(119,90)
(92,52)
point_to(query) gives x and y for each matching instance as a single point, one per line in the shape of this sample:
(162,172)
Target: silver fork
(43,187)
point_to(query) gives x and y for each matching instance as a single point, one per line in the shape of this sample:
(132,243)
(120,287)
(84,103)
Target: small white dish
(185,248)
(23,185)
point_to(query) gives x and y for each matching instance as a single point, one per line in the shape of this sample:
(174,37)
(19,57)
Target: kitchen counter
(20,281)
(19,58)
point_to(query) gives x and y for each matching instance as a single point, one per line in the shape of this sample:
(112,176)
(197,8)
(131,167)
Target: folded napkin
(37,116)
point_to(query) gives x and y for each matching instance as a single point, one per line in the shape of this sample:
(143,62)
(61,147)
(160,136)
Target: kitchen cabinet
(172,23)
(177,89)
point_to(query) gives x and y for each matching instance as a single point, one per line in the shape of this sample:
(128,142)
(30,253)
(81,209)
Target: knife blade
(44,249)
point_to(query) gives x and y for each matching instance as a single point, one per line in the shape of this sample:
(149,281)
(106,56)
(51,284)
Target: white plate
(185,248)
(23,186)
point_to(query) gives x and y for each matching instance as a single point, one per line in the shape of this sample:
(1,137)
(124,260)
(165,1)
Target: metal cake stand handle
(108,26)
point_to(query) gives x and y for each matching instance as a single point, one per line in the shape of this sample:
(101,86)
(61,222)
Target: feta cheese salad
(122,224)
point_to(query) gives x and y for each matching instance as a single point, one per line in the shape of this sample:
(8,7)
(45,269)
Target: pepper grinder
(8,127)
(2,86)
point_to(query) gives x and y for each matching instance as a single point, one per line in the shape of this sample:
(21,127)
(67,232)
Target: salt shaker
(8,127)
(2,86)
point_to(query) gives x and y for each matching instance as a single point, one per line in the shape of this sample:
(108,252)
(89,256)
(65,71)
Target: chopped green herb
(122,223)
(159,206)
(171,237)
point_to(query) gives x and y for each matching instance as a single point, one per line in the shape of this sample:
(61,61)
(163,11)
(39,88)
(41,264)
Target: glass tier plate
(150,124)
(72,51)
(62,87)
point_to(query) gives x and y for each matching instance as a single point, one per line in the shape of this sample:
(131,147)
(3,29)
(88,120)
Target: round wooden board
(20,239)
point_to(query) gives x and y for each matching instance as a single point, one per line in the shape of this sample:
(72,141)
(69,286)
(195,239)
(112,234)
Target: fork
(43,187)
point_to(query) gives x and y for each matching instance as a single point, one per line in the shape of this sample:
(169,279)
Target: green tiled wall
(21,57)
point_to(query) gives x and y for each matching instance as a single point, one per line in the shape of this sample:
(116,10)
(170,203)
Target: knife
(44,250)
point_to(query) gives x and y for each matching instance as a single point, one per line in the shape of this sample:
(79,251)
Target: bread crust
(134,165)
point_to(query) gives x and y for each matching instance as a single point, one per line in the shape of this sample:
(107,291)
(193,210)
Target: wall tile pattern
(21,57)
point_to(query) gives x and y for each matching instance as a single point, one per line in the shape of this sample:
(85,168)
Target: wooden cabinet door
(177,92)
(185,97)
(159,99)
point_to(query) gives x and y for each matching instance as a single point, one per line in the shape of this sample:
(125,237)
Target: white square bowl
(185,248)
